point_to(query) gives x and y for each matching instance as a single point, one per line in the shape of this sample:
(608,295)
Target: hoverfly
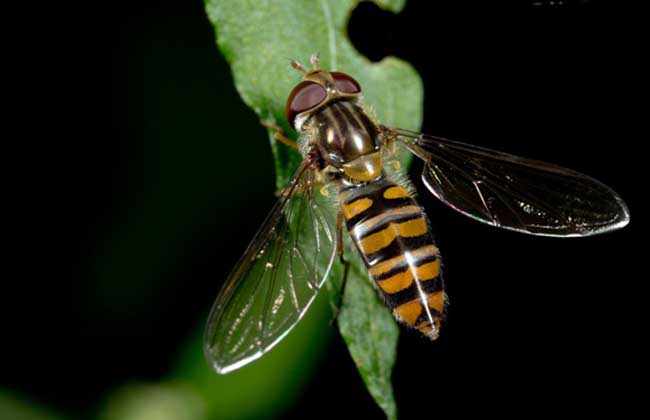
(343,148)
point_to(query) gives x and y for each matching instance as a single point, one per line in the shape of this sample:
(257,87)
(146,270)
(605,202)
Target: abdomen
(392,234)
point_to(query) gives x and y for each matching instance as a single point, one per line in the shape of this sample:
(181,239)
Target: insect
(345,150)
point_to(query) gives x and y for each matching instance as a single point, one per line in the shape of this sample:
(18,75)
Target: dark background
(535,324)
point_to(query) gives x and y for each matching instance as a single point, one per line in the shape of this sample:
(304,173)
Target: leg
(346,264)
(278,133)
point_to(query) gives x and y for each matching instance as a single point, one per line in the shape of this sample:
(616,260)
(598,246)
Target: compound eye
(305,96)
(345,84)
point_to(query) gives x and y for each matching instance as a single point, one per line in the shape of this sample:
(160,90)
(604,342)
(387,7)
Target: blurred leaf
(17,408)
(258,39)
(165,401)
(263,389)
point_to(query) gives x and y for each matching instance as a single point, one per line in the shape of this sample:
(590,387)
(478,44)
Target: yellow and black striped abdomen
(392,235)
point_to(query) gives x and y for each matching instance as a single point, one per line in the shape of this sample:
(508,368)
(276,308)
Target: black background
(536,325)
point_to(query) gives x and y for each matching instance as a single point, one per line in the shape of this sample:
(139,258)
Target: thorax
(347,139)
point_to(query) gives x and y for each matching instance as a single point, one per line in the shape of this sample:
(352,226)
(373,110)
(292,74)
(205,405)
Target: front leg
(278,134)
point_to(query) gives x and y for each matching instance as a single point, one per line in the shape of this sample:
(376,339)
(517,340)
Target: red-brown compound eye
(304,97)
(344,83)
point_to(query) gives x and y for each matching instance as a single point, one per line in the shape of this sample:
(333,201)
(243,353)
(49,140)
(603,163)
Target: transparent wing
(276,280)
(514,193)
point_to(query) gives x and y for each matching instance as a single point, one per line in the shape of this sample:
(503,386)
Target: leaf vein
(331,34)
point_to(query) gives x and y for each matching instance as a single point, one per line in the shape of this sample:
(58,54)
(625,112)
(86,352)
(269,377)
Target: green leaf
(259,39)
(369,330)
